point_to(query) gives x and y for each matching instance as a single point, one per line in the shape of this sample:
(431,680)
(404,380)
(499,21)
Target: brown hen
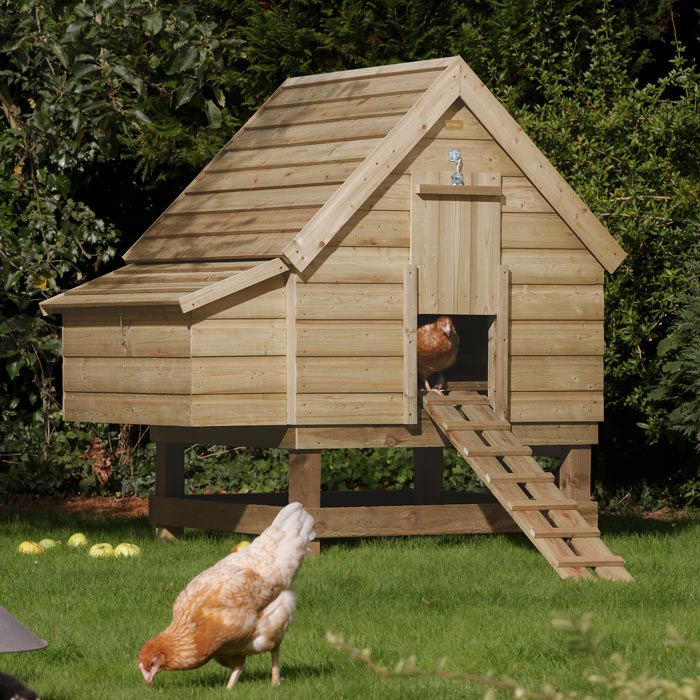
(438,345)
(240,606)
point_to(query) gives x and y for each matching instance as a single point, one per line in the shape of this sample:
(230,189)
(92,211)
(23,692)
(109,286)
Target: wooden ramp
(549,519)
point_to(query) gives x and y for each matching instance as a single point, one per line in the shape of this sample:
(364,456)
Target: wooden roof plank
(374,169)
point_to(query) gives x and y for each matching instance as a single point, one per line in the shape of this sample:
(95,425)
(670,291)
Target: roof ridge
(370,72)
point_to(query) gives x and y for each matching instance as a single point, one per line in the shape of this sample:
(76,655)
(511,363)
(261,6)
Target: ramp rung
(564,533)
(544,478)
(455,398)
(488,451)
(456,426)
(537,504)
(591,561)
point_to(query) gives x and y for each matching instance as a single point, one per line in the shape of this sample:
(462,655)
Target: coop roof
(187,285)
(292,177)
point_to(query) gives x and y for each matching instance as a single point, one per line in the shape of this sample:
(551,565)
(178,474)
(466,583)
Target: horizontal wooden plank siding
(349,301)
(239,375)
(458,122)
(556,373)
(239,409)
(557,302)
(349,375)
(238,337)
(521,196)
(144,409)
(557,338)
(350,338)
(481,155)
(349,409)
(533,230)
(542,406)
(358,265)
(376,229)
(540,266)
(137,332)
(137,375)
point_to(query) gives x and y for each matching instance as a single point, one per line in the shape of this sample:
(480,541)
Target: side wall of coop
(224,364)
(349,319)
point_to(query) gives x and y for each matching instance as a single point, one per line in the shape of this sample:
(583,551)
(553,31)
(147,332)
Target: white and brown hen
(240,606)
(438,345)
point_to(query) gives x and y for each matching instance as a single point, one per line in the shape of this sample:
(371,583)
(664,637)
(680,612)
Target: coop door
(456,242)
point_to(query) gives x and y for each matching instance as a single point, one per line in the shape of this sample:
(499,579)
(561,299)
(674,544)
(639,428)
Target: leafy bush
(679,388)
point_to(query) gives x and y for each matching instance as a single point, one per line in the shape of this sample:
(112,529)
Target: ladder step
(544,478)
(454,399)
(457,425)
(488,451)
(564,533)
(538,504)
(591,561)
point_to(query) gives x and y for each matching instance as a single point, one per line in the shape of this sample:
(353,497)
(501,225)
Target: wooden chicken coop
(276,302)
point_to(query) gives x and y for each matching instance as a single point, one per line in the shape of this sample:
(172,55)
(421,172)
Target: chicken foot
(275,666)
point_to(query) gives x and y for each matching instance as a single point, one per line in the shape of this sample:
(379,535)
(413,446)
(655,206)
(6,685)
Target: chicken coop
(276,303)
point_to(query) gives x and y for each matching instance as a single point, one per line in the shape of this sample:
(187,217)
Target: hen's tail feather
(284,544)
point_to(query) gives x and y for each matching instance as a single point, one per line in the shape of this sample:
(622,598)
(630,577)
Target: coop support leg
(427,475)
(170,480)
(575,474)
(305,482)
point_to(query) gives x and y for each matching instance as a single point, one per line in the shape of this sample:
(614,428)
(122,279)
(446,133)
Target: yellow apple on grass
(126,549)
(49,544)
(241,545)
(101,550)
(30,548)
(77,540)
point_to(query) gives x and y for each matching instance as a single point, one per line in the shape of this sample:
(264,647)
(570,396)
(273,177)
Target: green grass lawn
(484,602)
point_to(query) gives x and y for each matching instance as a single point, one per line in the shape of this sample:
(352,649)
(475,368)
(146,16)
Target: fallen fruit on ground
(77,540)
(241,545)
(101,550)
(126,549)
(30,548)
(49,544)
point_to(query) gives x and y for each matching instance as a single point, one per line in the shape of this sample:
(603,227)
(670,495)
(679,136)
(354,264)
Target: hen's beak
(148,674)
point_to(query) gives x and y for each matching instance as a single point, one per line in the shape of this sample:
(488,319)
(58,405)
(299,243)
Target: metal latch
(455,156)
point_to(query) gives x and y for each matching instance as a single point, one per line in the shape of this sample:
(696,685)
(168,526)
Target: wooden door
(456,242)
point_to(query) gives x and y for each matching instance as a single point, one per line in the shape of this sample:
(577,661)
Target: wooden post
(305,482)
(502,337)
(427,475)
(575,474)
(170,480)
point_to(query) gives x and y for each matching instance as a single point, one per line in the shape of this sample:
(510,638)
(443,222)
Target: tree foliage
(78,81)
(110,106)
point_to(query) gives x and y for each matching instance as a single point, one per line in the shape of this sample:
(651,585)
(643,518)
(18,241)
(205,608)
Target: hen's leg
(236,663)
(276,666)
(438,385)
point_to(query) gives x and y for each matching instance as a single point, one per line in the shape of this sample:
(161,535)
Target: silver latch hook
(122,335)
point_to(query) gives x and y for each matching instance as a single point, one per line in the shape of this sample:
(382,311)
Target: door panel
(456,242)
